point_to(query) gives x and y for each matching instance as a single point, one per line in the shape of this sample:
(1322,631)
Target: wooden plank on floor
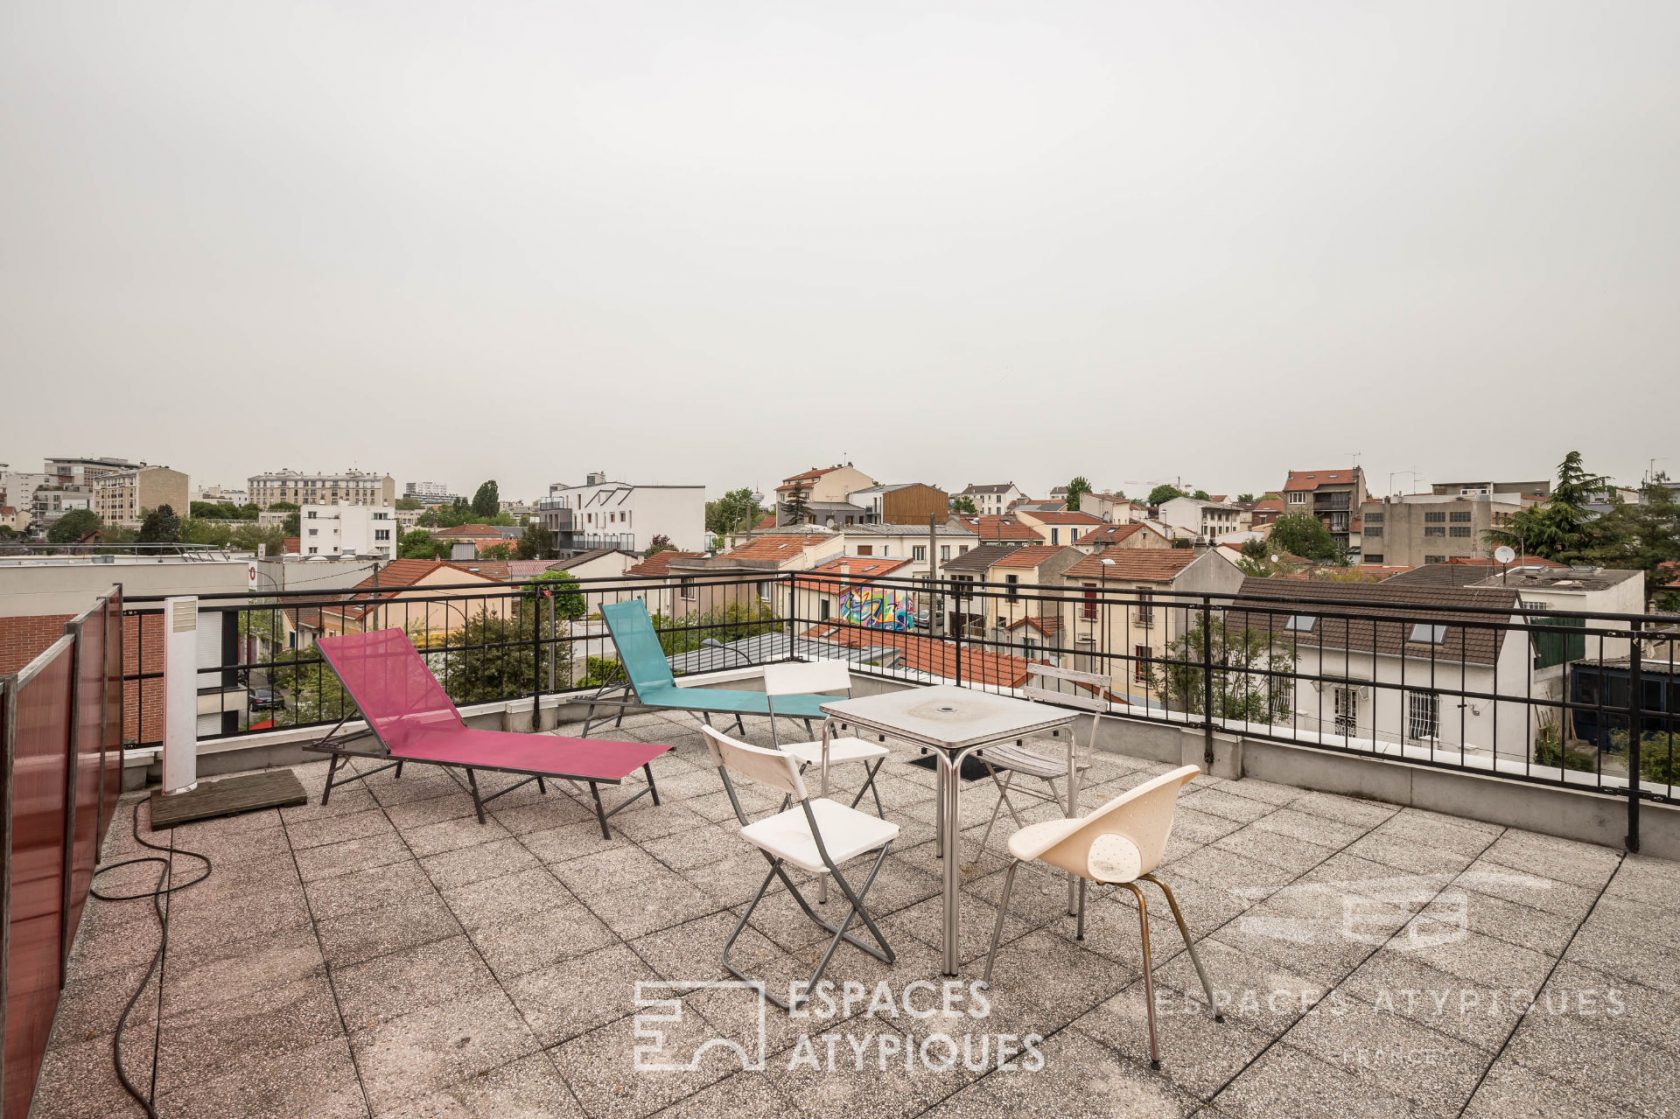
(247,792)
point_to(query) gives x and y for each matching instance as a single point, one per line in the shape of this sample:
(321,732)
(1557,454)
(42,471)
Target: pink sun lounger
(412,719)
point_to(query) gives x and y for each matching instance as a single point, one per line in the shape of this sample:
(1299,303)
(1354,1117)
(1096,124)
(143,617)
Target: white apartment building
(992,499)
(1206,520)
(352,487)
(223,494)
(348,530)
(604,513)
(82,471)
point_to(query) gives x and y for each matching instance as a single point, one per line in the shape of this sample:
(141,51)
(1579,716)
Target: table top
(948,717)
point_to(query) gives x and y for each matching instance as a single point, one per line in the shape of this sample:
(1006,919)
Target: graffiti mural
(879,609)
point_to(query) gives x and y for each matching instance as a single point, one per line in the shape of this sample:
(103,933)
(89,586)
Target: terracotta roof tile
(1063,517)
(658,565)
(1030,556)
(930,655)
(1144,565)
(999,528)
(845,571)
(778,548)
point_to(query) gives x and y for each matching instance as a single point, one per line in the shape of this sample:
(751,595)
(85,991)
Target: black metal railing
(1448,679)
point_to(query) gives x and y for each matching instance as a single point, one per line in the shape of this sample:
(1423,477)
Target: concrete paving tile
(207,1040)
(1510,1091)
(1580,864)
(407,922)
(338,829)
(691,950)
(413,1056)
(1285,1081)
(316,863)
(1482,1014)
(528,1088)
(1080,1078)
(539,939)
(240,968)
(314,1083)
(567,999)
(1348,810)
(1198,1054)
(612,1082)
(568,842)
(1475,958)
(660,902)
(1531,890)
(616,867)
(1408,854)
(452,835)
(375,991)
(1597,1056)
(1604,949)
(746,1095)
(507,899)
(1286,851)
(344,894)
(1404,1059)
(483,861)
(1309,828)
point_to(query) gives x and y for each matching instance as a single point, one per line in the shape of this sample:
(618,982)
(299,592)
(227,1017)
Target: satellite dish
(1504,554)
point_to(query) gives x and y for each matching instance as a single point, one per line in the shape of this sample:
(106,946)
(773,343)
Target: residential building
(1024,609)
(1423,528)
(923,550)
(1207,519)
(474,540)
(429,493)
(55,499)
(352,487)
(991,499)
(1383,665)
(712,583)
(1057,527)
(1526,492)
(606,513)
(1118,626)
(1133,534)
(845,589)
(14,519)
(644,577)
(417,596)
(822,496)
(225,495)
(83,471)
(353,530)
(906,503)
(989,529)
(1116,508)
(1334,497)
(1266,511)
(966,613)
(124,497)
(17,489)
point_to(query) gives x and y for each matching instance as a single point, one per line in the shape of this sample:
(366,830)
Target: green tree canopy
(160,526)
(1166,491)
(536,542)
(1303,535)
(420,544)
(487,502)
(1560,528)
(1241,660)
(963,504)
(72,526)
(1200,495)
(1076,489)
(735,511)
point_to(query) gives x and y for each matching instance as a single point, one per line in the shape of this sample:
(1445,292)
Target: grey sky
(721,242)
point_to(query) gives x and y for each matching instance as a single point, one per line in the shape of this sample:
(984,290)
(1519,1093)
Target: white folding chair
(818,836)
(1117,844)
(806,678)
(1010,760)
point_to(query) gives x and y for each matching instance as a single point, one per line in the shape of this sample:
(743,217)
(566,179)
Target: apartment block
(1334,497)
(352,487)
(904,503)
(1415,529)
(124,497)
(602,513)
(348,530)
(992,499)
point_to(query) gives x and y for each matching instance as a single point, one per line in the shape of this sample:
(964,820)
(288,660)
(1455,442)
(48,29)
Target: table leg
(1074,881)
(950,796)
(822,880)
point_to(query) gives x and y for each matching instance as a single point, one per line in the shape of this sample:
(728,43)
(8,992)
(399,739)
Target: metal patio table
(952,723)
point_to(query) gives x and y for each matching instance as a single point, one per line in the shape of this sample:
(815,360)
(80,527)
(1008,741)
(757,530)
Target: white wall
(355,530)
(617,509)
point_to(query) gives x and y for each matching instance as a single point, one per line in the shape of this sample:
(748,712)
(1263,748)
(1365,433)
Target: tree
(1076,489)
(536,542)
(1164,492)
(420,544)
(1242,660)
(963,504)
(409,503)
(1303,535)
(160,526)
(72,526)
(798,503)
(498,552)
(1558,529)
(734,512)
(660,543)
(487,502)
(505,655)
(1642,536)
(1200,495)
(1245,498)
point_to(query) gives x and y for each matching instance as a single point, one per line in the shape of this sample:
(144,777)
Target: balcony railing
(1530,695)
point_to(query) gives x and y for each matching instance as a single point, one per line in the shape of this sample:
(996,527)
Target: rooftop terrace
(386,955)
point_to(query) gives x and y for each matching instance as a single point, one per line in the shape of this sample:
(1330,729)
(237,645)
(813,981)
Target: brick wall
(23,639)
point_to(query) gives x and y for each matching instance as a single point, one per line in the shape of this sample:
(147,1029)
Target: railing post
(1636,705)
(962,624)
(534,604)
(1207,681)
(793,622)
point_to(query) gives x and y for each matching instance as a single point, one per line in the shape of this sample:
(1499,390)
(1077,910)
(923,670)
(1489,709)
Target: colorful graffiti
(878,608)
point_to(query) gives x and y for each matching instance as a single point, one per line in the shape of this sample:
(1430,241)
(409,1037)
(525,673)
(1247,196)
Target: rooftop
(385,955)
(1144,565)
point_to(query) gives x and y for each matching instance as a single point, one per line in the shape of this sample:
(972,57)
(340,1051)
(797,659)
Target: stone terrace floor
(388,956)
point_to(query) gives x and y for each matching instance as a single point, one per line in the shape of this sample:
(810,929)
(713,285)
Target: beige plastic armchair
(1117,844)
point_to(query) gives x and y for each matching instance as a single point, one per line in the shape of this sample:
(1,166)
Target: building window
(310,515)
(1055,534)
(919,553)
(1297,497)
(866,549)
(1423,715)
(1372,530)
(1462,517)
(1374,518)
(1145,611)
(314,532)
(1434,530)
(1141,658)
(1013,583)
(945,552)
(1373,557)
(686,587)
(1302,623)
(1434,518)
(1347,709)
(1460,530)
(823,610)
(1434,559)
(1089,608)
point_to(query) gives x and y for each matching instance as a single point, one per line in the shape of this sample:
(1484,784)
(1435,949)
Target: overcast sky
(721,242)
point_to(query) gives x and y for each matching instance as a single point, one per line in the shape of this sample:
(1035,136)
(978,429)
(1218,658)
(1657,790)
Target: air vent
(186,616)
